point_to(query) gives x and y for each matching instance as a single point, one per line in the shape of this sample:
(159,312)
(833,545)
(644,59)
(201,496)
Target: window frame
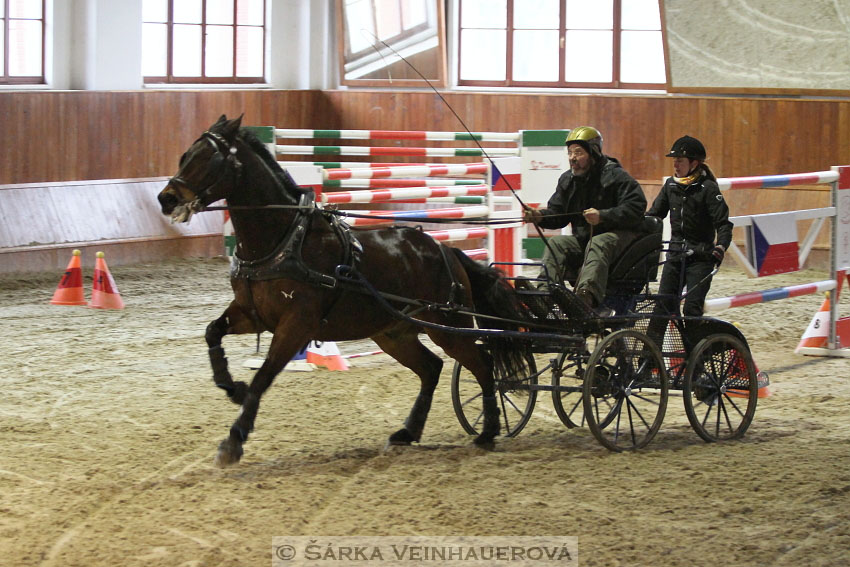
(435,29)
(170,79)
(397,38)
(616,30)
(5,78)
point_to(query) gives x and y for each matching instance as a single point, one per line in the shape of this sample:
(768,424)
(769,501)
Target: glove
(532,215)
(718,253)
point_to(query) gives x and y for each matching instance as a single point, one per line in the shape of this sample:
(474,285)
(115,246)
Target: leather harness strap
(286,260)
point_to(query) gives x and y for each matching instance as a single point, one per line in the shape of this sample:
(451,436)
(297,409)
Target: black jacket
(607,188)
(699,215)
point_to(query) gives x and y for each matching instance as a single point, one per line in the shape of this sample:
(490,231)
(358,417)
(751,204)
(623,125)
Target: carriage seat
(638,264)
(629,274)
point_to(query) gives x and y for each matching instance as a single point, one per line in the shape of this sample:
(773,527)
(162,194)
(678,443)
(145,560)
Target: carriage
(615,375)
(300,273)
(612,372)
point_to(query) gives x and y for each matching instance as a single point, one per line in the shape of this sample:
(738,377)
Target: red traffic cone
(104,292)
(326,354)
(70,288)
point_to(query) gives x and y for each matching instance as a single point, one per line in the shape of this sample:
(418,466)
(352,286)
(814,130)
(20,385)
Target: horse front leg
(282,349)
(232,322)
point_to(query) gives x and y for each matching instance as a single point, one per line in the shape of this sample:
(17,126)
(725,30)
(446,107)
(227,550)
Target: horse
(287,279)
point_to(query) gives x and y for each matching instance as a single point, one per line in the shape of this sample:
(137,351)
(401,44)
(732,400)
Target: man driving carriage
(605,206)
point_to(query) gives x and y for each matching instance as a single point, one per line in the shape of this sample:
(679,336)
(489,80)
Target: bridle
(224,160)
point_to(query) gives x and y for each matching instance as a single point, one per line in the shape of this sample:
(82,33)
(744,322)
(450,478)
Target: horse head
(207,172)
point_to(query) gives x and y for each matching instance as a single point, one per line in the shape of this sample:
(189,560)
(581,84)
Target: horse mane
(280,174)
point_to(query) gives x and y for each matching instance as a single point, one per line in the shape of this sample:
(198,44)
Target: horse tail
(492,295)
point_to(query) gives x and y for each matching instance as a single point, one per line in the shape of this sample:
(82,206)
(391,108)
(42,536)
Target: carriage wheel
(625,390)
(515,399)
(567,380)
(720,388)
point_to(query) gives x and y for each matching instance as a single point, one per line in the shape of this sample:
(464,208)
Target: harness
(286,261)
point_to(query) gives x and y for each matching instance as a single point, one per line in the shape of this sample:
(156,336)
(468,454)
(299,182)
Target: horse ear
(231,127)
(221,120)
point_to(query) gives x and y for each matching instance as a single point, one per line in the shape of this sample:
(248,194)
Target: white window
(203,41)
(561,43)
(22,42)
(410,27)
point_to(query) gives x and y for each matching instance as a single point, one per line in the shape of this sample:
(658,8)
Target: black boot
(589,300)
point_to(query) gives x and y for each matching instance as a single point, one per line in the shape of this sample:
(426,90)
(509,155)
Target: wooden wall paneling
(712,125)
(64,136)
(842,133)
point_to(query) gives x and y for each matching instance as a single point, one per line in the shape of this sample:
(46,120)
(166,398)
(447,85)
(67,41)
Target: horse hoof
(485,442)
(229,453)
(401,437)
(238,392)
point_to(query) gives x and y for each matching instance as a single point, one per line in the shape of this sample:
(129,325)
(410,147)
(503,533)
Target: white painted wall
(301,45)
(113,50)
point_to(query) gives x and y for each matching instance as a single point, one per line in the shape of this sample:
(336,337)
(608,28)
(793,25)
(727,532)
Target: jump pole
(839,214)
(503,244)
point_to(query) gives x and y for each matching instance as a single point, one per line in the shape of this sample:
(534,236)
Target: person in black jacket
(700,230)
(605,206)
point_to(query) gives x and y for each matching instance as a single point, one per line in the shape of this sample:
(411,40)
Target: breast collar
(286,262)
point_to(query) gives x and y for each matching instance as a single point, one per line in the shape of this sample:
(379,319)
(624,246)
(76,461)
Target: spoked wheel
(516,399)
(625,390)
(568,380)
(720,388)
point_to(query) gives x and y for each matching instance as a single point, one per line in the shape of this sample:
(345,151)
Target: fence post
(840,254)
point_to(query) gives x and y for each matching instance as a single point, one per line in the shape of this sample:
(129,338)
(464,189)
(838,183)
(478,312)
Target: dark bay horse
(284,279)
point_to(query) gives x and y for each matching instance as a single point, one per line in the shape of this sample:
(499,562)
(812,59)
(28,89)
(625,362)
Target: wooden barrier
(43,222)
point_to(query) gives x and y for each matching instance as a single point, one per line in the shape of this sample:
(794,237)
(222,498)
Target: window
(410,27)
(22,42)
(561,43)
(203,41)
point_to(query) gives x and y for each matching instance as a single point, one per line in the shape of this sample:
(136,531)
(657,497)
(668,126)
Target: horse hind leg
(407,350)
(475,359)
(232,321)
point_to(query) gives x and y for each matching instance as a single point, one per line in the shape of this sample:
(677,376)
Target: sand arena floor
(109,423)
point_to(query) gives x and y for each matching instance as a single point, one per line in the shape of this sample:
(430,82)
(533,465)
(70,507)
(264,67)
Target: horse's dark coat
(229,163)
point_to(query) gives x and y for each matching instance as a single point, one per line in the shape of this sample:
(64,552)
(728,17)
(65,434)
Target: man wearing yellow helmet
(604,205)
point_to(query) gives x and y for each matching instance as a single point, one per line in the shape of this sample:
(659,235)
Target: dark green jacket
(607,188)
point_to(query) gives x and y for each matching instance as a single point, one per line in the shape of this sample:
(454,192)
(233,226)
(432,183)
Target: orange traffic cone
(70,288)
(104,292)
(326,354)
(818,331)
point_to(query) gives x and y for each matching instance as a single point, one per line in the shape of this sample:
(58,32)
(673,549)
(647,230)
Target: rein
(347,214)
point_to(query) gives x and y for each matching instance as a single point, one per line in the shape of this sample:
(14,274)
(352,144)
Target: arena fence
(773,247)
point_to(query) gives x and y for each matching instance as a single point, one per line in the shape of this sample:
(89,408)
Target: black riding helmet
(688,147)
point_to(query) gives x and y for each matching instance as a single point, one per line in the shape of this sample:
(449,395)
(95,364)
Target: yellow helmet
(588,137)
